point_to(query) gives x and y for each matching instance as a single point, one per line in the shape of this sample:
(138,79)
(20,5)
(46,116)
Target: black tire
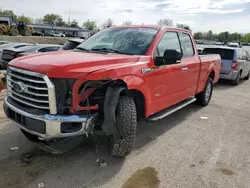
(202,98)
(27,32)
(237,80)
(126,122)
(248,76)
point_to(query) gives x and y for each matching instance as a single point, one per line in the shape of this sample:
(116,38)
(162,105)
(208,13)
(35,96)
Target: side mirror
(169,57)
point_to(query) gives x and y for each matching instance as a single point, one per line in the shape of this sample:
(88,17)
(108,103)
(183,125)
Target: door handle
(184,68)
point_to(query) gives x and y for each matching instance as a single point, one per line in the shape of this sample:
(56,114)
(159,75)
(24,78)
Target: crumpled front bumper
(47,126)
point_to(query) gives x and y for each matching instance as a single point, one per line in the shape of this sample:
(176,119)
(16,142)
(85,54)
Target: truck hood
(67,64)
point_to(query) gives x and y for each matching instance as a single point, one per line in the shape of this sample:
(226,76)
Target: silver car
(235,63)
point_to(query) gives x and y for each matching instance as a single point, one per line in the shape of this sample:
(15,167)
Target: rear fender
(204,81)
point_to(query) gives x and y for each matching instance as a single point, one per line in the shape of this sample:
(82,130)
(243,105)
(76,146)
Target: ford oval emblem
(18,87)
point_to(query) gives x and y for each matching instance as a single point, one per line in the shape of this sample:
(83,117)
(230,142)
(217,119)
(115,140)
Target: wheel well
(212,75)
(139,101)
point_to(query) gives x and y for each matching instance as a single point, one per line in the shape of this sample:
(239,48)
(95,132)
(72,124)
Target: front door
(166,82)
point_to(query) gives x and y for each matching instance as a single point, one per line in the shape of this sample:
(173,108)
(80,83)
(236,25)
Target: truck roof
(149,26)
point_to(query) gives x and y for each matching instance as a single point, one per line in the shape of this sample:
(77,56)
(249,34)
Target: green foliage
(24,19)
(223,36)
(8,13)
(183,26)
(54,19)
(90,25)
(74,23)
(198,35)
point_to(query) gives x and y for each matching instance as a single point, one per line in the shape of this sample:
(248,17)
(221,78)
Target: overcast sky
(201,15)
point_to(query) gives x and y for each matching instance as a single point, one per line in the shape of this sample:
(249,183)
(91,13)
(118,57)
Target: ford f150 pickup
(109,82)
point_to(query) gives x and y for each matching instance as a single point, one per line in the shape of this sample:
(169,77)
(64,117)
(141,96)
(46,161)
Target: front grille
(31,89)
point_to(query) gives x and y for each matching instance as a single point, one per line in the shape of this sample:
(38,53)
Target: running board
(170,110)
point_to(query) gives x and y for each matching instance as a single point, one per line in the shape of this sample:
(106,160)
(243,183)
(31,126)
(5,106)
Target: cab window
(170,41)
(187,45)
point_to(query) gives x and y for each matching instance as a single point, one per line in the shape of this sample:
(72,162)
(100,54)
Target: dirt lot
(34,39)
(183,150)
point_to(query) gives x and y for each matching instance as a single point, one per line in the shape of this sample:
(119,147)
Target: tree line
(222,37)
(55,19)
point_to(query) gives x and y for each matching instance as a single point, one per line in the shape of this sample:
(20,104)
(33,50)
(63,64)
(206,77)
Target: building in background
(68,31)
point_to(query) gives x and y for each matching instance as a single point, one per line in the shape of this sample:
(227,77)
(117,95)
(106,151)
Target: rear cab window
(187,45)
(227,54)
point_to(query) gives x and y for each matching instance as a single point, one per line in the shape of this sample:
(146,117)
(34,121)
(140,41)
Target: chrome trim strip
(52,95)
(36,74)
(30,99)
(31,93)
(26,79)
(32,87)
(29,104)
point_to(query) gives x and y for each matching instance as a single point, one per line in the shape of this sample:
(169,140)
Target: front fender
(137,83)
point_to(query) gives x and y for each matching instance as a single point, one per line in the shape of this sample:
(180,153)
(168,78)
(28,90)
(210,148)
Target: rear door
(227,57)
(190,65)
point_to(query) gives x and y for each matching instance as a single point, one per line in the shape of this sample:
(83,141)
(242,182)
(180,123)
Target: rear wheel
(237,79)
(204,97)
(126,122)
(248,76)
(27,32)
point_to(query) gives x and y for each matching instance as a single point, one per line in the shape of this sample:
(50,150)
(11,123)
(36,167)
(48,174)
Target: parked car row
(10,51)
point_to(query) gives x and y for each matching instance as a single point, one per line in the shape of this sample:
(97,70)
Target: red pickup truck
(109,82)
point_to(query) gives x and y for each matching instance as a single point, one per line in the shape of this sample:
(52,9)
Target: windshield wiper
(106,50)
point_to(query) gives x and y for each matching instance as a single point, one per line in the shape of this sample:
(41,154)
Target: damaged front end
(58,110)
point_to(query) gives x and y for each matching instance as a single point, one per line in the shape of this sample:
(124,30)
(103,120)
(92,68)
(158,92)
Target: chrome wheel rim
(208,91)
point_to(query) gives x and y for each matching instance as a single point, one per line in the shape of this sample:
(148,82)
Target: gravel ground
(183,150)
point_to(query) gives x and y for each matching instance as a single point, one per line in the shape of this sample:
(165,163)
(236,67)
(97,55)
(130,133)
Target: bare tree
(108,23)
(128,22)
(165,22)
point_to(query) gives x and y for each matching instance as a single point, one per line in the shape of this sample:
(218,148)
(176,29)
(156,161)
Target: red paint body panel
(162,87)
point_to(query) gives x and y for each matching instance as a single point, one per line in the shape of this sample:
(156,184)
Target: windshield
(131,41)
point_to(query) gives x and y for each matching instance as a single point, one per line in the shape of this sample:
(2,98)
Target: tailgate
(226,66)
(227,57)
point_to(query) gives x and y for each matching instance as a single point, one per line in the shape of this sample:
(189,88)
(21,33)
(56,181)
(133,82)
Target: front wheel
(126,122)
(204,97)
